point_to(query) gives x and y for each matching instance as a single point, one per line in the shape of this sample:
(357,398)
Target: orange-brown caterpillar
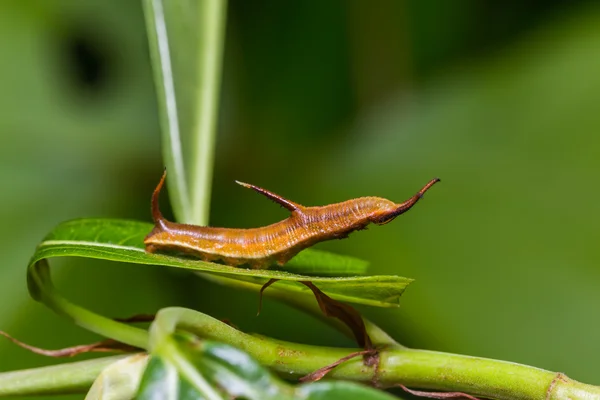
(276,243)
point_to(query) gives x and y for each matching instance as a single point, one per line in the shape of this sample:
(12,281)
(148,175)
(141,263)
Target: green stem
(41,289)
(212,18)
(74,377)
(308,304)
(413,368)
(168,351)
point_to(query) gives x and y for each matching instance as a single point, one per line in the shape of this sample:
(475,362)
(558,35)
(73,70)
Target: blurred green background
(321,102)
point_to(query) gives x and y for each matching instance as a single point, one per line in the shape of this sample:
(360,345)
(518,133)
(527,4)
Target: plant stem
(212,18)
(413,368)
(41,289)
(168,351)
(308,304)
(74,377)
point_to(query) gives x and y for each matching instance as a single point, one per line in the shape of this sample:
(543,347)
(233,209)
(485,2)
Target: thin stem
(212,19)
(74,377)
(168,351)
(413,368)
(41,289)
(308,304)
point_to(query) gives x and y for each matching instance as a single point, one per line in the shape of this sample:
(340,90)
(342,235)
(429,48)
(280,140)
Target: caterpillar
(277,243)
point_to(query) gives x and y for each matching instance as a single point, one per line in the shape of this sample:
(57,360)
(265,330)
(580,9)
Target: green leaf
(161,381)
(122,240)
(323,263)
(186,43)
(211,370)
(120,379)
(338,390)
(183,367)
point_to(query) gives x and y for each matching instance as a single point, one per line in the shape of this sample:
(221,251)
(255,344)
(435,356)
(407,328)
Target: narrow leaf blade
(186,39)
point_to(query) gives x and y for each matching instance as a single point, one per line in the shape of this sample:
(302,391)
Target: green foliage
(118,380)
(121,240)
(183,367)
(366,100)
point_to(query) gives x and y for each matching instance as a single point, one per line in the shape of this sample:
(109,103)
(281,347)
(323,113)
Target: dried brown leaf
(104,346)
